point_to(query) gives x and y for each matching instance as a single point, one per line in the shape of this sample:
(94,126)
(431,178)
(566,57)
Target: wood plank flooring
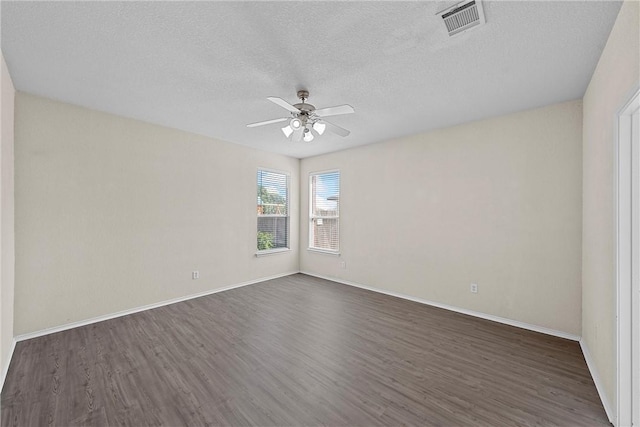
(299,351)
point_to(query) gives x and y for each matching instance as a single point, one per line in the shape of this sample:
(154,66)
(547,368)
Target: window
(273,210)
(324,216)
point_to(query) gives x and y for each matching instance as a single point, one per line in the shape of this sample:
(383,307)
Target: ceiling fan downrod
(303,95)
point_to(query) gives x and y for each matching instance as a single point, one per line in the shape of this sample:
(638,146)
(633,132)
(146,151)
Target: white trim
(625,194)
(324,251)
(478,314)
(272,251)
(587,355)
(288,215)
(321,172)
(635,270)
(97,319)
(281,172)
(608,408)
(5,369)
(312,217)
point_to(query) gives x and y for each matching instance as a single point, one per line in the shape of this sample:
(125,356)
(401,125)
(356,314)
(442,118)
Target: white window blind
(324,227)
(273,210)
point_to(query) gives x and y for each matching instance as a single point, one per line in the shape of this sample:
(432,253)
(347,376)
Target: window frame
(287,248)
(312,217)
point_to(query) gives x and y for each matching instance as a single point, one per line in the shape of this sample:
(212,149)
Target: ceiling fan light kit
(306,119)
(295,123)
(319,127)
(308,136)
(287,131)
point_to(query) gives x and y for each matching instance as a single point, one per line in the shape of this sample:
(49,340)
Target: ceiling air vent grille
(462,16)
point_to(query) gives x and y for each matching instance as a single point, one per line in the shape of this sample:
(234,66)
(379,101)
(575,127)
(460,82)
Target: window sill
(324,251)
(272,252)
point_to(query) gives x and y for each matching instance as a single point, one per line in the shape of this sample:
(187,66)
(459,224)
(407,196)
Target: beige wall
(613,81)
(495,202)
(114,213)
(7,251)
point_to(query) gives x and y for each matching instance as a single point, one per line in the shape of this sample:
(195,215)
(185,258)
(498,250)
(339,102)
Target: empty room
(320,213)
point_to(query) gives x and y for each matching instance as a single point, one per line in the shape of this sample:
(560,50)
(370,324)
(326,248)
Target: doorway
(628,264)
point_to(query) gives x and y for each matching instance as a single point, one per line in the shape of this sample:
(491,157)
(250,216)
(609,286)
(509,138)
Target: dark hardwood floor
(299,351)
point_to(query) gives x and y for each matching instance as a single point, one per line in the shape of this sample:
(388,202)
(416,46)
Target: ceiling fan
(305,119)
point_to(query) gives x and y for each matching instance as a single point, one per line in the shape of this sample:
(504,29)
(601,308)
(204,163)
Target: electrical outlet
(195,274)
(343,264)
(474,288)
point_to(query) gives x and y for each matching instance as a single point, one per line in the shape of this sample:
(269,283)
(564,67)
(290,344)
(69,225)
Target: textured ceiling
(207,67)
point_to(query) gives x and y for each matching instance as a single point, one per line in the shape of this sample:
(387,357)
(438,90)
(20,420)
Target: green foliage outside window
(272,210)
(271,203)
(265,241)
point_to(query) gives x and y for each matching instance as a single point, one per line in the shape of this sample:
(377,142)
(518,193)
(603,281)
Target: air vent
(462,16)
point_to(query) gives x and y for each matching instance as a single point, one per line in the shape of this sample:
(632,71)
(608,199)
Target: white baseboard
(585,351)
(611,414)
(5,369)
(491,317)
(587,355)
(97,319)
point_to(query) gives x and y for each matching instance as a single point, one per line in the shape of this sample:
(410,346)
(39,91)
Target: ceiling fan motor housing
(306,113)
(305,109)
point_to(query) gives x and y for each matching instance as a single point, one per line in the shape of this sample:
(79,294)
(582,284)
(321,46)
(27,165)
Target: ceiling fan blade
(334,111)
(284,104)
(297,135)
(267,122)
(336,129)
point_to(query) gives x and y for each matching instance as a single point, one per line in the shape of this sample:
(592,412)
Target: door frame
(627,165)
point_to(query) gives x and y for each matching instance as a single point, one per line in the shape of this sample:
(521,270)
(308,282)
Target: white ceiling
(207,67)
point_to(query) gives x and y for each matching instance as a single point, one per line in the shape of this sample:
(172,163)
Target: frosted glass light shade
(319,127)
(308,136)
(287,131)
(295,123)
